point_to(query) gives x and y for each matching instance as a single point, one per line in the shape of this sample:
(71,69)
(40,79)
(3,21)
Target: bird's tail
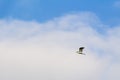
(83,53)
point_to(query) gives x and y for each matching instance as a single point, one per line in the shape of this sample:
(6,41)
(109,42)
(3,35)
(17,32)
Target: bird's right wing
(81,49)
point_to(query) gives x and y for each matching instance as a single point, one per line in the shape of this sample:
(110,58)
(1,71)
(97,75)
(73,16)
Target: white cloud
(46,51)
(113,72)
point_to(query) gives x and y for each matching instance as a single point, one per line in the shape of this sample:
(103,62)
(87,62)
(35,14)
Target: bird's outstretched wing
(81,49)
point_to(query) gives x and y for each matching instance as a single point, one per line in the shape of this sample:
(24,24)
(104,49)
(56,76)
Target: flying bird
(81,50)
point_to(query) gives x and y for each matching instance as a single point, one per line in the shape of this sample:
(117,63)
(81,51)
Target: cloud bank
(47,51)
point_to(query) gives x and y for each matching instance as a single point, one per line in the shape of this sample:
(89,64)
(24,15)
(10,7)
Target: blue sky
(44,10)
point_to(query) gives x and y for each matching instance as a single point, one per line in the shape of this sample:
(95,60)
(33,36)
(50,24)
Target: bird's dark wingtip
(82,47)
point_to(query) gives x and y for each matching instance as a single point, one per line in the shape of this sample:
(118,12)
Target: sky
(44,10)
(39,39)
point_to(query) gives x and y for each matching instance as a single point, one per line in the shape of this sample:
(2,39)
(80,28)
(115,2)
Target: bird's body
(80,50)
